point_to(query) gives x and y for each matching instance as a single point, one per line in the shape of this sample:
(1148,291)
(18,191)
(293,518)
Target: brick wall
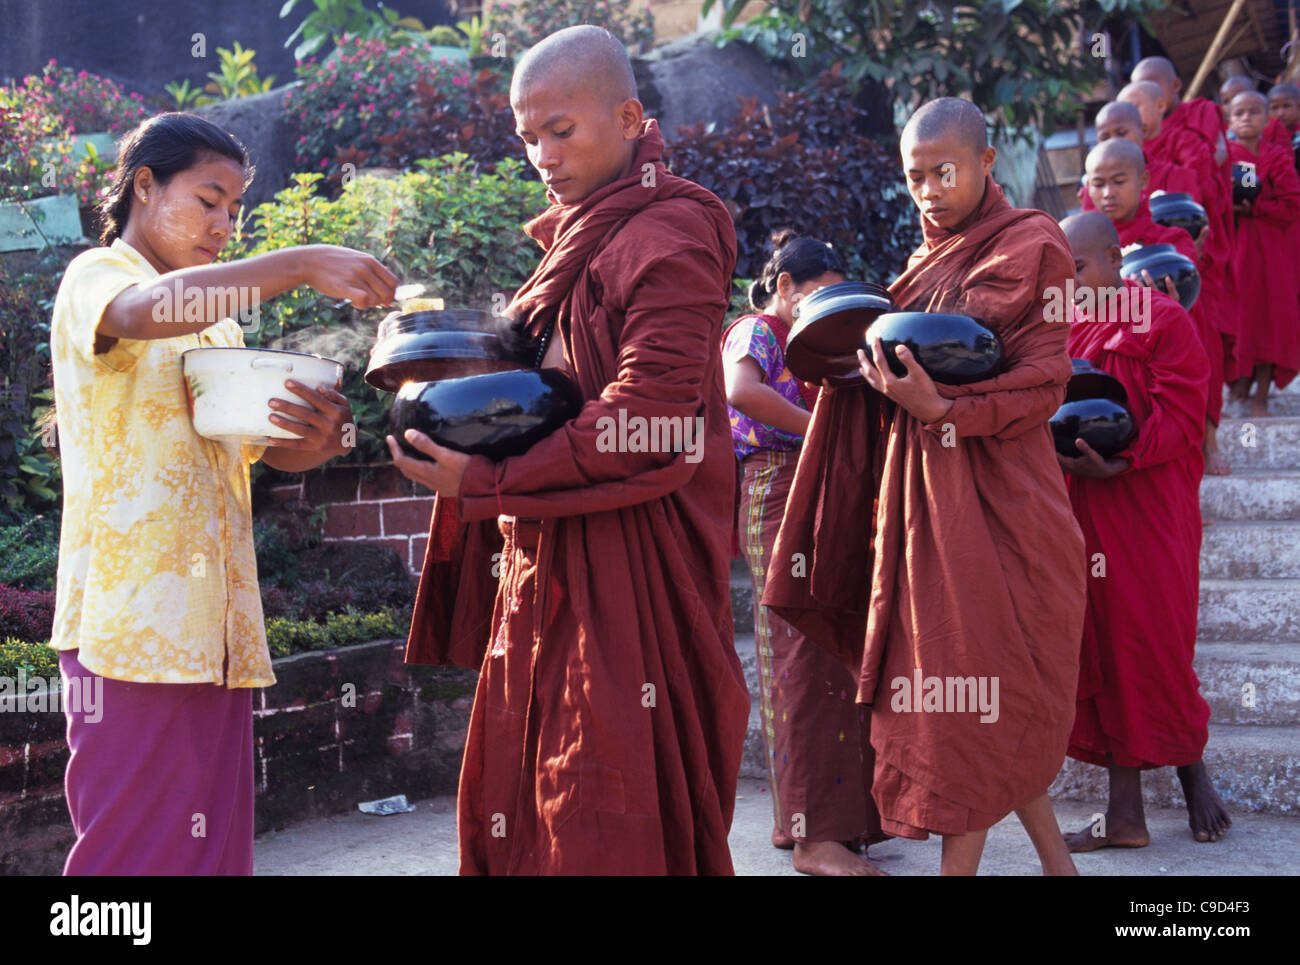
(315,752)
(375,503)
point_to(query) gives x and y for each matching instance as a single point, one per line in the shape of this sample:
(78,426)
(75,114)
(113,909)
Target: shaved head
(1251,97)
(1143,89)
(1233,86)
(1090,233)
(583,55)
(1285,89)
(949,116)
(1117,150)
(1160,71)
(1118,111)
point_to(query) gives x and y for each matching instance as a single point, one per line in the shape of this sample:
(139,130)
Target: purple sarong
(162,782)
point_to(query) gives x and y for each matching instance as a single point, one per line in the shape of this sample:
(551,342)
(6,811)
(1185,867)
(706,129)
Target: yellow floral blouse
(157,578)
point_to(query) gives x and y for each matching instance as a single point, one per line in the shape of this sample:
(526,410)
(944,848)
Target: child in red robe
(1269,346)
(1283,128)
(1139,701)
(1124,120)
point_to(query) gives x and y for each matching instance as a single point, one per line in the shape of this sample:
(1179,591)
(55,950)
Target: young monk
(1139,701)
(1117,185)
(819,755)
(928,533)
(1284,119)
(611,709)
(1123,120)
(1217,301)
(1269,344)
(1233,86)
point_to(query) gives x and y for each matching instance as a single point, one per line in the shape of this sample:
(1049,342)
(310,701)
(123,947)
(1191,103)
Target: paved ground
(423,842)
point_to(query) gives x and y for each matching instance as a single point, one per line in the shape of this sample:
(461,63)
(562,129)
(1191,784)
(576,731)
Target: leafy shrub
(37,659)
(26,614)
(529,21)
(802,164)
(285,636)
(88,102)
(29,553)
(360,92)
(236,78)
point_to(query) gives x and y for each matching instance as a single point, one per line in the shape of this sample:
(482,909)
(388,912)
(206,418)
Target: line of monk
(929,531)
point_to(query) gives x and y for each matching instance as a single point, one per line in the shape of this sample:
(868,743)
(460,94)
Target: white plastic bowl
(230,389)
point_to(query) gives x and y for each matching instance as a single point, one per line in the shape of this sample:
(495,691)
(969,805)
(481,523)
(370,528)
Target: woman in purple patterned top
(819,756)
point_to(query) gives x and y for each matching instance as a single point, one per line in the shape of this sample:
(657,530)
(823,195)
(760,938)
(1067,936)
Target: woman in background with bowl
(158,618)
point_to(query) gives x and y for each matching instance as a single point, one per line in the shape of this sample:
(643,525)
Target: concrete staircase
(1249,627)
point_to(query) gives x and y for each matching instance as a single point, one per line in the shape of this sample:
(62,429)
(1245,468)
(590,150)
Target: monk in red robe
(928,539)
(1192,133)
(1267,236)
(1284,118)
(611,710)
(1139,699)
(1122,119)
(1231,87)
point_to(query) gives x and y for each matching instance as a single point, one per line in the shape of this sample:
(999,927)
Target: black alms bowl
(1162,261)
(953,349)
(827,331)
(1179,210)
(1104,424)
(497,414)
(430,345)
(1245,181)
(1087,382)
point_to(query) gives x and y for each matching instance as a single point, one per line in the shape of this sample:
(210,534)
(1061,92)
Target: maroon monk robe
(611,710)
(1163,176)
(1264,259)
(950,549)
(1139,698)
(1189,136)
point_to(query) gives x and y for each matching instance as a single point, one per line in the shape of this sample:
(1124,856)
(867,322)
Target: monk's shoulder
(673,221)
(1033,238)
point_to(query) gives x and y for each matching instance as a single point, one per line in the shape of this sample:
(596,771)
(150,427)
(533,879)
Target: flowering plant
(89,102)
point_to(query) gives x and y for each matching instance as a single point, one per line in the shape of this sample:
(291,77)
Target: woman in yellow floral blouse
(158,609)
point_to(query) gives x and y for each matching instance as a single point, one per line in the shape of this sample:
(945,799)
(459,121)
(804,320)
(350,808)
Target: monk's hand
(914,391)
(325,424)
(1242,207)
(1169,288)
(1090,464)
(1200,240)
(443,475)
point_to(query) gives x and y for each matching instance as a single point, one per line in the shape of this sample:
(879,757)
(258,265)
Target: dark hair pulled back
(804,258)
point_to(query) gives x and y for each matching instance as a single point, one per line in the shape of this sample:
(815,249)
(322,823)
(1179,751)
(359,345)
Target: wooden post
(1212,55)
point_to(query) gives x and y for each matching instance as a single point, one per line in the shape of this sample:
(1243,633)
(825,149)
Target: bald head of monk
(1119,119)
(1233,86)
(1284,104)
(1247,115)
(1160,71)
(576,110)
(1116,172)
(946,159)
(1097,253)
(1150,102)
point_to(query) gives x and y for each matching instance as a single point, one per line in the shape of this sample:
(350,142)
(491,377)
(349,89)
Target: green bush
(29,552)
(285,636)
(529,21)
(37,659)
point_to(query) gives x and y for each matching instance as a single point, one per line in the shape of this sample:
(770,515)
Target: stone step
(1280,403)
(1253,768)
(1271,669)
(1252,494)
(1251,550)
(1271,443)
(742,605)
(1263,610)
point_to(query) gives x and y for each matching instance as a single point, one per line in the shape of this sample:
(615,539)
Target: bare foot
(1121,832)
(1206,814)
(782,840)
(1258,409)
(1216,465)
(831,858)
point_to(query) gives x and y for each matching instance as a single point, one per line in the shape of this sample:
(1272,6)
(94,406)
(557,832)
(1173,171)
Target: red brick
(405,517)
(336,485)
(287,493)
(344,520)
(418,547)
(385,482)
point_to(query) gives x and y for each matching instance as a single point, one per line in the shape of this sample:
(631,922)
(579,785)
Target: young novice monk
(819,755)
(928,537)
(1269,345)
(1233,86)
(1284,119)
(611,710)
(1120,119)
(1139,701)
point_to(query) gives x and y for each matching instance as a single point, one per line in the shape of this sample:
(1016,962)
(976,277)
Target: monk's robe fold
(1190,136)
(611,709)
(1139,698)
(1162,176)
(1265,262)
(1277,134)
(950,549)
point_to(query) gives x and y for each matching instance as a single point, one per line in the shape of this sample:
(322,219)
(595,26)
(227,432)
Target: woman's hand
(443,475)
(346,273)
(1091,465)
(324,425)
(914,391)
